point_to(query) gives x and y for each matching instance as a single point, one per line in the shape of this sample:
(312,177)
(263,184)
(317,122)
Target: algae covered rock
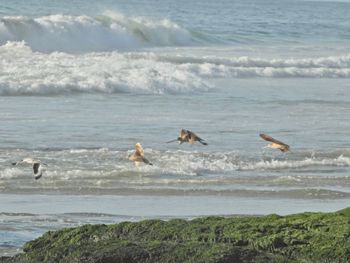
(306,237)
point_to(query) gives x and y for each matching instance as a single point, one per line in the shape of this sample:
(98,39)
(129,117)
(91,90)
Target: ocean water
(81,82)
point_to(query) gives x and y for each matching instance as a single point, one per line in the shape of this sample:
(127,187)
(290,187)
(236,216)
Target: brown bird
(275,143)
(188,136)
(138,155)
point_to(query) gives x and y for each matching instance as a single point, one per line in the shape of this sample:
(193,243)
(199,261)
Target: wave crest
(106,32)
(247,67)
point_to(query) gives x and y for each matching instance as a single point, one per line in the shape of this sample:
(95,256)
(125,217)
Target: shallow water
(81,83)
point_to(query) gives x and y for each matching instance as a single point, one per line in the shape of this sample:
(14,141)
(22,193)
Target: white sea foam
(244,67)
(26,72)
(105,163)
(108,31)
(109,171)
(192,163)
(9,173)
(228,162)
(294,164)
(339,62)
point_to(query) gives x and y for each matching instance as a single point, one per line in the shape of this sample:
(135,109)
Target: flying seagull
(275,144)
(188,136)
(37,166)
(138,155)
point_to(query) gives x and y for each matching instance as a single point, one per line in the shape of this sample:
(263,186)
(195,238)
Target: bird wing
(26,160)
(36,167)
(139,150)
(194,137)
(29,161)
(270,139)
(37,170)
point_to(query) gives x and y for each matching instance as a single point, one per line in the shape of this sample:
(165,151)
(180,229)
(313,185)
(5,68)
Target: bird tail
(147,162)
(203,142)
(15,163)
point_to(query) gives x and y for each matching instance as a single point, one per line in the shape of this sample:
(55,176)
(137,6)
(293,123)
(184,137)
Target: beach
(82,82)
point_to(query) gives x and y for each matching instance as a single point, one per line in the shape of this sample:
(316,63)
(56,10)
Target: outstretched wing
(194,137)
(26,160)
(37,170)
(270,139)
(139,149)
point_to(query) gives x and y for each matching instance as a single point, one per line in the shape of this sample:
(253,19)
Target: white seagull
(138,155)
(37,166)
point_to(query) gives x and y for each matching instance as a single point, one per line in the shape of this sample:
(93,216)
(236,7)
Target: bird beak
(171,141)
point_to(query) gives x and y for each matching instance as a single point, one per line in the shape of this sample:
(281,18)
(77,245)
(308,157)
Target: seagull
(188,136)
(138,155)
(275,143)
(37,166)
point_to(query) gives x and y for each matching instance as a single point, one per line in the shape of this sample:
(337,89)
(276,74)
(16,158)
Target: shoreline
(303,237)
(181,205)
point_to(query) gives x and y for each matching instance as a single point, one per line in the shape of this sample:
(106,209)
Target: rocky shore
(305,237)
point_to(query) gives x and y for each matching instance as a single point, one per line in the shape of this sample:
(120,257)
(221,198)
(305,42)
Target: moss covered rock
(306,237)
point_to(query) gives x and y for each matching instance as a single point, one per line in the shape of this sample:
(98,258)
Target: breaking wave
(106,32)
(26,72)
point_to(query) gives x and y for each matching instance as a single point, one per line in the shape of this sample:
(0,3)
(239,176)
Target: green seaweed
(305,237)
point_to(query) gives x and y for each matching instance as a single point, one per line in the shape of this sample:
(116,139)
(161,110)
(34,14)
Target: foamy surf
(175,162)
(26,72)
(105,171)
(32,73)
